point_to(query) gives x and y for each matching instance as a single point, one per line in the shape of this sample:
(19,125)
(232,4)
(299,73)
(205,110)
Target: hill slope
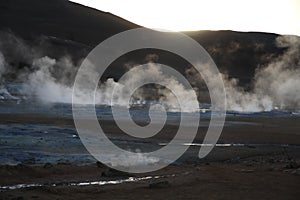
(56,28)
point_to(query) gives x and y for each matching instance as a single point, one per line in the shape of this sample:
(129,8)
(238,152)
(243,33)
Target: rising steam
(275,86)
(2,65)
(47,88)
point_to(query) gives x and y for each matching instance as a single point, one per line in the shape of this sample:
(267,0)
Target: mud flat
(257,158)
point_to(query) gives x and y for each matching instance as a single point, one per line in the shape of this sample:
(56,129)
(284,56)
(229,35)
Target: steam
(128,161)
(4,94)
(47,88)
(241,101)
(157,93)
(275,86)
(2,65)
(280,80)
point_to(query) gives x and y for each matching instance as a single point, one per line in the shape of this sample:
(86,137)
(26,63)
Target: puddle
(88,183)
(236,145)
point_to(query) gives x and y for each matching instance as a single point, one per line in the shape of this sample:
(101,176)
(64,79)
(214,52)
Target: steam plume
(276,85)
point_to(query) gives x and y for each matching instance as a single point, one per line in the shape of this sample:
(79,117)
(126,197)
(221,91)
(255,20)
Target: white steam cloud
(47,88)
(276,85)
(44,85)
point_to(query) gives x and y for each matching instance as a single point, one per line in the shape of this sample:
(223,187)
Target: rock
(247,171)
(100,165)
(48,166)
(271,169)
(30,161)
(198,168)
(63,162)
(18,198)
(292,165)
(20,166)
(234,160)
(160,184)
(249,163)
(286,171)
(272,160)
(114,173)
(294,172)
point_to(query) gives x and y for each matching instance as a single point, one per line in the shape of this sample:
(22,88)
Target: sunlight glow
(278,16)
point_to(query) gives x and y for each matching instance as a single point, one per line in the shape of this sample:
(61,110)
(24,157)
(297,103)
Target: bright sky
(277,16)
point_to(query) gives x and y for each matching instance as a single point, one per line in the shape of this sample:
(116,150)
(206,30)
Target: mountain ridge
(61,27)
